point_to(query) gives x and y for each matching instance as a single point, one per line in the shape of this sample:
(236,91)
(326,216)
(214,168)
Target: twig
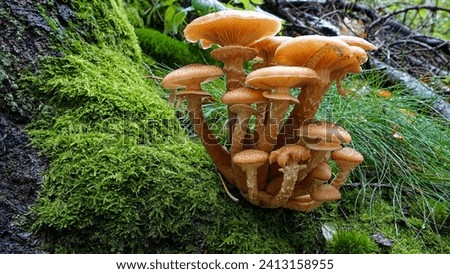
(236,200)
(384,17)
(153,77)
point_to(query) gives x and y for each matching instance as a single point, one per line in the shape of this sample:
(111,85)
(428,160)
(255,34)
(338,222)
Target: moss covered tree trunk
(25,36)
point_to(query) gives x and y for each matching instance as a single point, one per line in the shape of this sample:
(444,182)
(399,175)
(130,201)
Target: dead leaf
(384,93)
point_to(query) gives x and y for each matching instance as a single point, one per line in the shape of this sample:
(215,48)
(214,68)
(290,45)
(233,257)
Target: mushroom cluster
(278,156)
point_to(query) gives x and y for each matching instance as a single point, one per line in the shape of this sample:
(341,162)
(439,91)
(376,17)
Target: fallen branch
(415,86)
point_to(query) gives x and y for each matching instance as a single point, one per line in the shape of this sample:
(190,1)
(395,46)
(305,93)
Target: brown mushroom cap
(327,131)
(236,108)
(321,172)
(243,96)
(289,153)
(302,50)
(191,76)
(325,193)
(231,27)
(266,47)
(250,157)
(357,41)
(347,154)
(281,76)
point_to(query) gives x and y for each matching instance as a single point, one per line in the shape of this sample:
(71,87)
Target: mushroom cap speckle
(191,76)
(250,157)
(231,27)
(243,95)
(281,76)
(347,154)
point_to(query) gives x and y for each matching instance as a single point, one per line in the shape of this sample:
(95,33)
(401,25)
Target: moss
(170,51)
(105,23)
(351,242)
(136,11)
(409,235)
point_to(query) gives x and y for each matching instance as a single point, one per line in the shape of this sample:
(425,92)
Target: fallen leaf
(328,231)
(384,93)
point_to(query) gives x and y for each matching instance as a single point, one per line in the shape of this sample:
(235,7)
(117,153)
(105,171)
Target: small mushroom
(250,160)
(280,79)
(321,138)
(325,193)
(239,101)
(289,158)
(191,77)
(346,159)
(318,175)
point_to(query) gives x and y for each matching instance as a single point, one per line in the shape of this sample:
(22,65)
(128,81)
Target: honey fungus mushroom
(233,31)
(332,58)
(346,159)
(250,160)
(321,138)
(190,78)
(291,159)
(239,101)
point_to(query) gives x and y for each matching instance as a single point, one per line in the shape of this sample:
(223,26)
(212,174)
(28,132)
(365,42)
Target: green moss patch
(169,51)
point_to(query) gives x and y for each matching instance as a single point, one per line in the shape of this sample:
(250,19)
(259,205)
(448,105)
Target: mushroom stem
(272,127)
(218,154)
(239,132)
(310,98)
(253,196)
(318,156)
(260,121)
(290,172)
(344,171)
(233,59)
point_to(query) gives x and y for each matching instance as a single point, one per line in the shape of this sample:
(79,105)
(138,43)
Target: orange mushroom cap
(231,27)
(308,50)
(243,96)
(347,154)
(252,158)
(266,47)
(357,41)
(191,76)
(281,76)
